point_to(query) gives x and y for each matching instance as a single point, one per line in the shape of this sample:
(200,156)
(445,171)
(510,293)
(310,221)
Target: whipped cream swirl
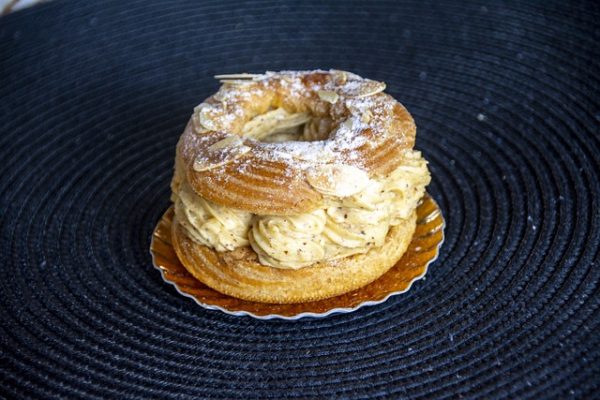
(345,226)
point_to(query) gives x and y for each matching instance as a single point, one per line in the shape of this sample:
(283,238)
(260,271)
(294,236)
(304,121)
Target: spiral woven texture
(93,96)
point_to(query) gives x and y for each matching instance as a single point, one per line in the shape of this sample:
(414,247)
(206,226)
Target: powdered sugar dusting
(360,115)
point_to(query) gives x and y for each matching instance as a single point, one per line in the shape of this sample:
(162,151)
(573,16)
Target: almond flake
(229,141)
(339,180)
(235,82)
(204,118)
(328,96)
(371,88)
(237,76)
(340,77)
(364,88)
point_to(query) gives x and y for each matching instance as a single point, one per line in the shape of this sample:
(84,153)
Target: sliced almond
(207,122)
(339,180)
(204,118)
(220,153)
(371,88)
(364,88)
(237,76)
(339,77)
(328,96)
(229,141)
(221,95)
(198,128)
(353,76)
(235,82)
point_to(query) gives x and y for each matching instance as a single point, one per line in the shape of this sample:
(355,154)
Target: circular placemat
(93,96)
(422,251)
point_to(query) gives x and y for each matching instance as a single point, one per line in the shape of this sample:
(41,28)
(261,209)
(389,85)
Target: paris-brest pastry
(295,186)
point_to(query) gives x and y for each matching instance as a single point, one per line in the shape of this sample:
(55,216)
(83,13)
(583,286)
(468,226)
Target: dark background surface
(93,96)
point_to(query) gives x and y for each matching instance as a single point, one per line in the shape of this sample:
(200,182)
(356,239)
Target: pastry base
(421,251)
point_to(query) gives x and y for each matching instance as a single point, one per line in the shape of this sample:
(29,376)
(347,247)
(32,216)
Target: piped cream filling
(345,226)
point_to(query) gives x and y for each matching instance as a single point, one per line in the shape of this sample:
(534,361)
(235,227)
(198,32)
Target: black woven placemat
(93,96)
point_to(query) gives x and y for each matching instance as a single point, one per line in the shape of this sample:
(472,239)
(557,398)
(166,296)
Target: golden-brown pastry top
(357,132)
